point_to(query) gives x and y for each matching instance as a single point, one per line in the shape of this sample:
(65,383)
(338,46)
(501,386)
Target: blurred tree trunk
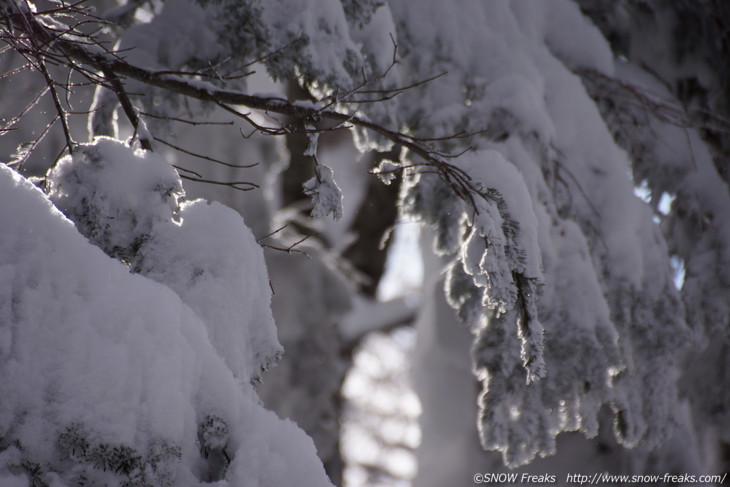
(310,299)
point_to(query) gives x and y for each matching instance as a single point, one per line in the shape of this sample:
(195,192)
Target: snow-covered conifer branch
(556,268)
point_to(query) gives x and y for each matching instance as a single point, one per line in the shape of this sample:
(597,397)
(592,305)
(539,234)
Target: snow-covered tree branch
(566,162)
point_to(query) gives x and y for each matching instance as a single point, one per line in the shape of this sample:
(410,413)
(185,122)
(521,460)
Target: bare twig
(29,149)
(59,108)
(183,120)
(22,68)
(290,249)
(28,107)
(237,185)
(201,156)
(129,110)
(281,228)
(190,171)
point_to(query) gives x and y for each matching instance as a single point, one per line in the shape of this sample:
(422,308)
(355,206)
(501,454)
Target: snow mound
(111,378)
(130,205)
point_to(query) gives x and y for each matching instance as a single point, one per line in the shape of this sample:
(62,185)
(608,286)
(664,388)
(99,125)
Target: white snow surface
(126,360)
(182,31)
(128,204)
(324,23)
(492,170)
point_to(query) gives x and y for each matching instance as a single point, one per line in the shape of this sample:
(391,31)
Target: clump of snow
(492,171)
(129,205)
(574,39)
(326,195)
(325,41)
(213,262)
(386,171)
(182,32)
(115,200)
(108,375)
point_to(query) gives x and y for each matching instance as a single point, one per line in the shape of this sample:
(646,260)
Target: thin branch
(28,150)
(290,249)
(126,103)
(63,8)
(201,156)
(22,68)
(180,168)
(29,107)
(458,135)
(237,185)
(182,120)
(268,55)
(272,233)
(57,103)
(668,111)
(407,87)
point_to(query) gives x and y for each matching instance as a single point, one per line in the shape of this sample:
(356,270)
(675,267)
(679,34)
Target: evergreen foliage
(522,133)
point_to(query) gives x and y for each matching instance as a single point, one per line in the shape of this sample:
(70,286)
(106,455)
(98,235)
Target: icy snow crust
(93,356)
